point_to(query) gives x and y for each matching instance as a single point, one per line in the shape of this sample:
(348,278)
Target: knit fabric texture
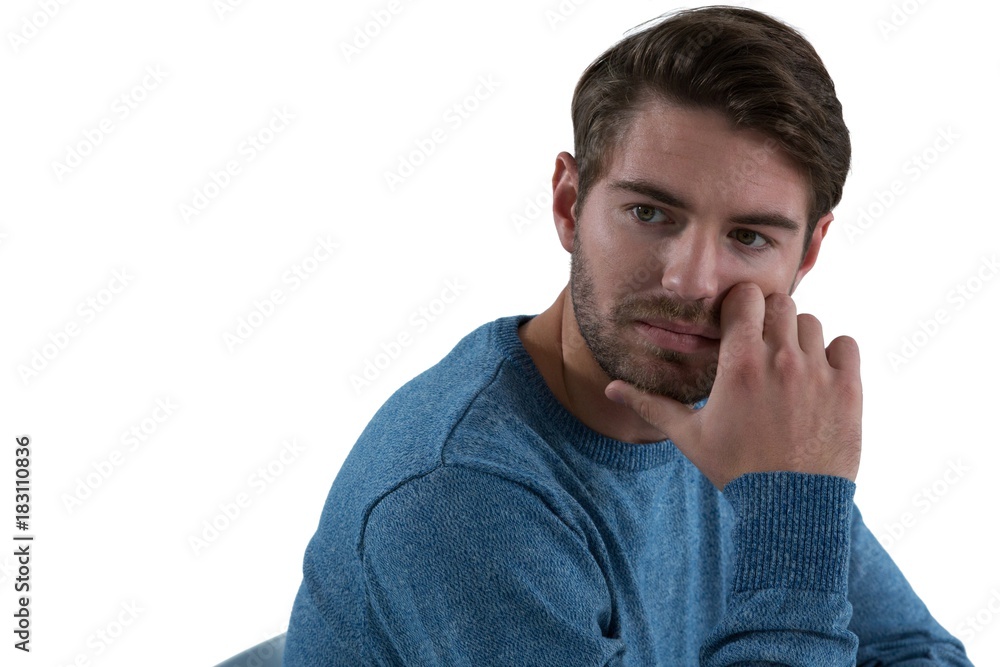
(477,522)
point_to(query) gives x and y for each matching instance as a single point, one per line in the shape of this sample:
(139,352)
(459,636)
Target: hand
(780,401)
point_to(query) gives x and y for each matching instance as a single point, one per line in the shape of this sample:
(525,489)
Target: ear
(564,191)
(812,251)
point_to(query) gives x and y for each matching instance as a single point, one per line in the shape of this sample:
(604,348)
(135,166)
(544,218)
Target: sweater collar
(602,449)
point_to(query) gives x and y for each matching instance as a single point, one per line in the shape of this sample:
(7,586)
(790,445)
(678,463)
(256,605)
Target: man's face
(689,207)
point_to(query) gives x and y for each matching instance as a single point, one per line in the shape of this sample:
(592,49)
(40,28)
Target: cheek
(635,267)
(607,257)
(771,276)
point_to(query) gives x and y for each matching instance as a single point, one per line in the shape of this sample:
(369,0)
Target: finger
(665,414)
(741,320)
(810,334)
(843,354)
(780,326)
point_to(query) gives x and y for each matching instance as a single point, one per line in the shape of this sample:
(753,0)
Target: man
(659,469)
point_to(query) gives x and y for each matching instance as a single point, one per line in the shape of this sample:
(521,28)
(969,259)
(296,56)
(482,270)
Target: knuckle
(644,409)
(809,320)
(786,363)
(736,345)
(847,344)
(779,300)
(777,305)
(845,340)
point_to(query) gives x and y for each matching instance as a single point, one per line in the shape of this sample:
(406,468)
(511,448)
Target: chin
(678,381)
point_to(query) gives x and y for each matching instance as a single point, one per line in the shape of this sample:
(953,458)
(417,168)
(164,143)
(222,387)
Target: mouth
(678,336)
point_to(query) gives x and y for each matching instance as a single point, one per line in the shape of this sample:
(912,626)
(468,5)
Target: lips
(678,341)
(682,328)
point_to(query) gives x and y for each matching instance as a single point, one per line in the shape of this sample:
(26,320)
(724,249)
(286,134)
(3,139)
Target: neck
(555,344)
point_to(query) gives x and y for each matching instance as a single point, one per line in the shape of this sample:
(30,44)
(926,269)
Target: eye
(646,214)
(751,239)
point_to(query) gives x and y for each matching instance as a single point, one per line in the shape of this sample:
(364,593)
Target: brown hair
(761,73)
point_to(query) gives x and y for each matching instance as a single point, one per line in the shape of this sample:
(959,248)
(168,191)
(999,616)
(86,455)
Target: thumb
(671,417)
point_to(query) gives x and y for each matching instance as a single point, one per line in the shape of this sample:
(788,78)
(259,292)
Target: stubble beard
(683,377)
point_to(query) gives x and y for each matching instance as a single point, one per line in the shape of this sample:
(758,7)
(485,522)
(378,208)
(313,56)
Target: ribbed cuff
(792,530)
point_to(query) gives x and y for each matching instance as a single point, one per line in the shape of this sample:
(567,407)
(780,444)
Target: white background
(64,234)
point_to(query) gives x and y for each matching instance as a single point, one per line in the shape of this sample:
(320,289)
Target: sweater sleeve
(788,602)
(893,625)
(463,567)
(791,602)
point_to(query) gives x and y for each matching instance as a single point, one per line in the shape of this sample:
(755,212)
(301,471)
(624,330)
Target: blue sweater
(477,522)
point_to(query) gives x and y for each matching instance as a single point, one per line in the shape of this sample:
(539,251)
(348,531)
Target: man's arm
(812,586)
(784,414)
(893,625)
(788,602)
(465,568)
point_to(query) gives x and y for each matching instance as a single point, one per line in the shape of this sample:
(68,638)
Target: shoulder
(458,514)
(472,409)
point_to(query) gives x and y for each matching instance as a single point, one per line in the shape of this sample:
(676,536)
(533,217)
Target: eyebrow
(659,194)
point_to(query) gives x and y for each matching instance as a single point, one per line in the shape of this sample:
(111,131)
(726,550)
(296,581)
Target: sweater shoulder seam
(471,468)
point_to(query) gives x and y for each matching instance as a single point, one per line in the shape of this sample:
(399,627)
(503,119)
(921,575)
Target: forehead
(697,154)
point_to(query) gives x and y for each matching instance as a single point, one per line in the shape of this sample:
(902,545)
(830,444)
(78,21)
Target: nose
(691,264)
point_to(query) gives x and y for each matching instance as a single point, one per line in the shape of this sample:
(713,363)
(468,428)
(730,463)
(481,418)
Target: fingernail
(615,396)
